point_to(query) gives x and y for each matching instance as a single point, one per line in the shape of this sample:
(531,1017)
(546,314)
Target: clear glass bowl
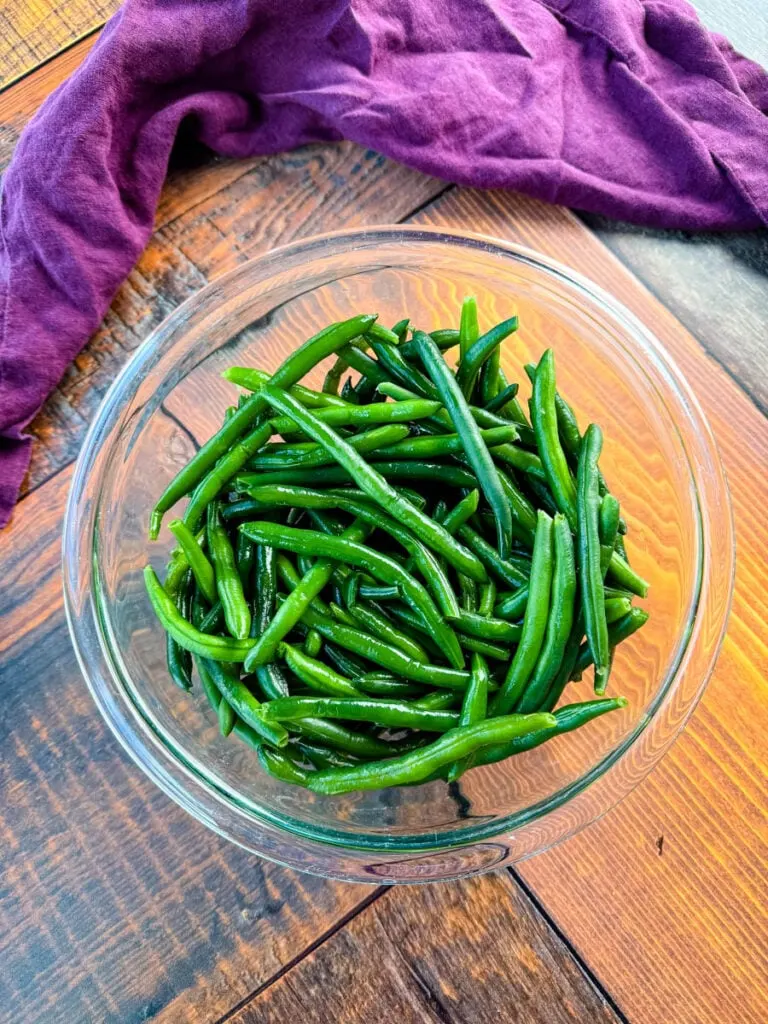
(660,458)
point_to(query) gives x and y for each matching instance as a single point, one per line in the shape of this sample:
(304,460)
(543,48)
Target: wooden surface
(116,906)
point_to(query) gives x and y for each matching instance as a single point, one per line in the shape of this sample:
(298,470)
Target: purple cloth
(624,107)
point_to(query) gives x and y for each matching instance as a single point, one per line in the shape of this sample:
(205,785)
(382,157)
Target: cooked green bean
(254,380)
(469,329)
(179,661)
(245,705)
(419,764)
(512,606)
(292,370)
(309,453)
(544,418)
(372,620)
(473,709)
(477,624)
(202,570)
(229,586)
(534,623)
(479,351)
(592,592)
(436,446)
(474,447)
(560,621)
(618,631)
(501,398)
(365,415)
(394,714)
(373,483)
(317,675)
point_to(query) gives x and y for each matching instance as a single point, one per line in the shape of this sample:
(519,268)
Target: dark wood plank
(33,31)
(715,284)
(468,952)
(115,905)
(672,937)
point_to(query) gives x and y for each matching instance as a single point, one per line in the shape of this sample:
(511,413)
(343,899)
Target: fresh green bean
(479,351)
(308,454)
(469,329)
(488,648)
(365,415)
(179,661)
(401,371)
(535,622)
(254,380)
(592,592)
(373,483)
(512,606)
(475,624)
(393,714)
(623,575)
(291,611)
(313,643)
(351,552)
(486,598)
(501,398)
(473,709)
(202,570)
(559,623)
(544,418)
(475,449)
(489,556)
(436,446)
(191,639)
(444,339)
(419,764)
(316,675)
(229,587)
(296,366)
(245,705)
(617,632)
(616,608)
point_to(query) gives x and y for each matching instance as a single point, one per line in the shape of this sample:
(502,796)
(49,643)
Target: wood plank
(467,951)
(115,906)
(672,937)
(33,31)
(715,284)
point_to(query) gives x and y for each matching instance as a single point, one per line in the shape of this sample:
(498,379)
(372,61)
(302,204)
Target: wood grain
(672,936)
(32,31)
(466,951)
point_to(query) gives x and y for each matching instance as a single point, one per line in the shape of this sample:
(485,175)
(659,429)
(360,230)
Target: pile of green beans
(393,579)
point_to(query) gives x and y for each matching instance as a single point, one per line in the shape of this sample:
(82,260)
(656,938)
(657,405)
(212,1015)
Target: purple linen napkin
(625,107)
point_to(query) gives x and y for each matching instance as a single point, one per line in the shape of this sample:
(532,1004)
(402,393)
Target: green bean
(475,356)
(623,575)
(352,553)
(400,329)
(292,610)
(419,764)
(500,399)
(229,587)
(567,718)
(245,705)
(317,675)
(227,718)
(560,622)
(296,366)
(617,632)
(313,643)
(227,467)
(177,567)
(437,700)
(191,639)
(469,330)
(307,454)
(401,371)
(323,757)
(388,657)
(616,608)
(347,663)
(426,562)
(245,559)
(342,615)
(365,415)
(373,483)
(377,593)
(473,709)
(535,622)
(544,418)
(474,624)
(363,363)
(444,339)
(488,648)
(270,677)
(202,570)
(489,556)
(476,452)
(441,418)
(486,598)
(282,766)
(179,661)
(338,736)
(451,476)
(438,445)
(512,606)
(381,684)
(394,714)
(592,592)
(372,620)
(254,380)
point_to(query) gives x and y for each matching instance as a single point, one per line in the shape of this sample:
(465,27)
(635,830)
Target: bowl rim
(158,756)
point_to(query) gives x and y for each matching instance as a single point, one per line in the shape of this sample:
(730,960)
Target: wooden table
(115,906)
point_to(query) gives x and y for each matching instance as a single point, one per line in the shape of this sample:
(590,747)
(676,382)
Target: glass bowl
(659,457)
